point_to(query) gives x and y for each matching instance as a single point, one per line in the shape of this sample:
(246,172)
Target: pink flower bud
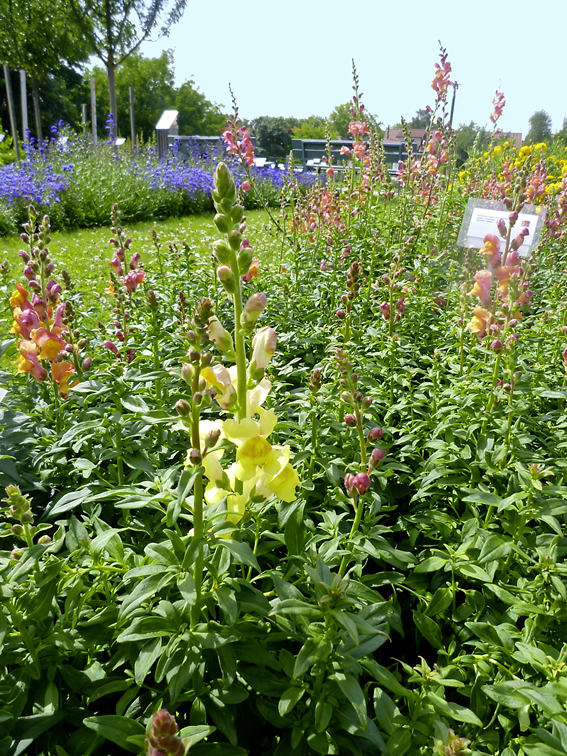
(86,365)
(111,345)
(349,483)
(374,434)
(496,345)
(350,420)
(513,217)
(341,314)
(246,186)
(376,457)
(501,224)
(362,483)
(564,355)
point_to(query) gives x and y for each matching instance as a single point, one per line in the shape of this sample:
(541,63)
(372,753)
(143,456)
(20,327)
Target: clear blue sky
(294,58)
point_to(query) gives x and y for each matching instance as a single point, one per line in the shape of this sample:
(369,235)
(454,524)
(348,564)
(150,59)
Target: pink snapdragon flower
(499,102)
(441,81)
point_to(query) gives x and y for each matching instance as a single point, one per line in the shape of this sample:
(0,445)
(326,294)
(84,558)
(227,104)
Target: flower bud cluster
(125,278)
(19,509)
(358,404)
(397,288)
(315,382)
(234,252)
(162,738)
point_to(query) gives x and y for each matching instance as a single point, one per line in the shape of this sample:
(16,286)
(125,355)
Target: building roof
(397,135)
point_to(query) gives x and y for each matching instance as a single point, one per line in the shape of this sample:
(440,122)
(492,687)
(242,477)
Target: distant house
(393,136)
(511,136)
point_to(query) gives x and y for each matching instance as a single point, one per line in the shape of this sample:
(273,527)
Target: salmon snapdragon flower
(482,286)
(480,322)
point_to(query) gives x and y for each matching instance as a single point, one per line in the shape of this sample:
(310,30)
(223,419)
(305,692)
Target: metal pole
(84,119)
(11,111)
(132,126)
(93,110)
(455,87)
(24,96)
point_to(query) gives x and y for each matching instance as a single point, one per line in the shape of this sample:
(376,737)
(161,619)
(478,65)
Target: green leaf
(195,733)
(483,497)
(493,548)
(353,693)
(387,679)
(347,623)
(186,482)
(134,403)
(241,551)
(429,629)
(506,695)
(289,698)
(116,729)
(149,653)
(313,650)
(139,461)
(440,601)
(67,502)
(431,564)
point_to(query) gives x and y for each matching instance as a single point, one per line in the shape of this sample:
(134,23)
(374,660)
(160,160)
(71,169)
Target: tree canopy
(114,30)
(540,127)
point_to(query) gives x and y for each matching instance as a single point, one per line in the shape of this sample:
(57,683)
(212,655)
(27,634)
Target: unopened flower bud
(366,402)
(221,251)
(374,434)
(362,483)
(496,345)
(349,483)
(341,314)
(350,420)
(376,457)
(212,437)
(86,364)
(264,346)
(44,539)
(226,277)
(194,457)
(183,408)
(501,224)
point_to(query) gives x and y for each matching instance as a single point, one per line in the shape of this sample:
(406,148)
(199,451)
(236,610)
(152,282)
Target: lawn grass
(85,253)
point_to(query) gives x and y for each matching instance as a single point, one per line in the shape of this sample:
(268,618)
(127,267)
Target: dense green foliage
(404,592)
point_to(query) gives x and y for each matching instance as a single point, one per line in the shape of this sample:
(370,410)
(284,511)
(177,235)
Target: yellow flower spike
(283,484)
(257,396)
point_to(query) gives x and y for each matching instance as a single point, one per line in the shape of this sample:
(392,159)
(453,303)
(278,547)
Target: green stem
(355,526)
(239,343)
(119,462)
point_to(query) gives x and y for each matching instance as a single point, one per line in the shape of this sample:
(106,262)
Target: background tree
(197,115)
(114,29)
(273,134)
(339,120)
(562,133)
(152,82)
(420,120)
(540,127)
(39,37)
(466,136)
(310,128)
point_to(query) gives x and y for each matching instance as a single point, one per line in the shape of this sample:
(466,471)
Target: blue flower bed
(77,182)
